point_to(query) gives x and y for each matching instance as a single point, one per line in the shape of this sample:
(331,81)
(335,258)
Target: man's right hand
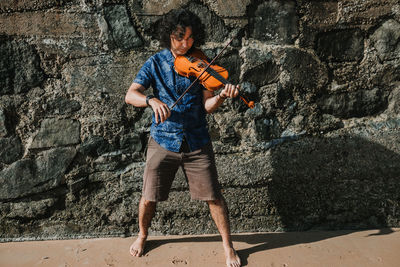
(135,97)
(161,110)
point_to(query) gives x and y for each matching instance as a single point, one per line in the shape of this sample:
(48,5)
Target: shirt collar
(168,56)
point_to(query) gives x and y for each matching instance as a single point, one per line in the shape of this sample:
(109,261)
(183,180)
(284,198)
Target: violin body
(212,77)
(194,65)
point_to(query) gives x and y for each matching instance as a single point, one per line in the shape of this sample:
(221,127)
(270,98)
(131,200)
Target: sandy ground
(380,247)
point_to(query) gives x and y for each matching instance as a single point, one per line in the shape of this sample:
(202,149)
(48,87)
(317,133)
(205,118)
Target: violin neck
(217,76)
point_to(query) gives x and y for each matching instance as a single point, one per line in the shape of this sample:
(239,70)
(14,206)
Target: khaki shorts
(198,167)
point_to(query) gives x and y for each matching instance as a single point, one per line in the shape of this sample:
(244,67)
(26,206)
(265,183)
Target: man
(179,137)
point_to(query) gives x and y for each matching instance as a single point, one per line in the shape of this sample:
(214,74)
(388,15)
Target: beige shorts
(198,167)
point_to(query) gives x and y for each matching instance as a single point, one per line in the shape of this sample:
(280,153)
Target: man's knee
(148,203)
(218,202)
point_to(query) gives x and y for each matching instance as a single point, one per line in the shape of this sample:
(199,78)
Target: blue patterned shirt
(188,117)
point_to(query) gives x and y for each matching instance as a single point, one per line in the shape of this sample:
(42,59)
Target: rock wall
(319,151)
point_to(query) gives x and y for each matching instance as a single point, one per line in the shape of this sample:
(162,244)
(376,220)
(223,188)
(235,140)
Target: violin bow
(205,69)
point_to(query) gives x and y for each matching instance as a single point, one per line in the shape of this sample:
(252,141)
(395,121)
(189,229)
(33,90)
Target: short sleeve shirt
(188,117)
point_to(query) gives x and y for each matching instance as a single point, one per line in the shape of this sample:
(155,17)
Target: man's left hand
(230,91)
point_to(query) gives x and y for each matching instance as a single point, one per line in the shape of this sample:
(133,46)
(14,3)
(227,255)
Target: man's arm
(135,97)
(212,102)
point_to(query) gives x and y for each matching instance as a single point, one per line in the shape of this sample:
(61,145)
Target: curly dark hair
(176,21)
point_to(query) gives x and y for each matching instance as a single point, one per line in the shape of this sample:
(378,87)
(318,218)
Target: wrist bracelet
(148,98)
(221,96)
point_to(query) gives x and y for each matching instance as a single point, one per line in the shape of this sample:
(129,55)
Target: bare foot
(137,247)
(232,258)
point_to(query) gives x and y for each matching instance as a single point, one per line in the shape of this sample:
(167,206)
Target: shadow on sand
(262,241)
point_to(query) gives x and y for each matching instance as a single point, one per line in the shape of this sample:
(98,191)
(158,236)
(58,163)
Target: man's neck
(172,52)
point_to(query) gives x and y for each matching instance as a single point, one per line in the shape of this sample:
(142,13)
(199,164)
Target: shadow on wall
(336,183)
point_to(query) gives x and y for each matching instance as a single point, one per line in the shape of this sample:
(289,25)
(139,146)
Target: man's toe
(133,251)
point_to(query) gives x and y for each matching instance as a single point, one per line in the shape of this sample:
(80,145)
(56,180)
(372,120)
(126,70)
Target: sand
(380,247)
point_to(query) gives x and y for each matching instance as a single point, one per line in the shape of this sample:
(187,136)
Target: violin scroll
(249,103)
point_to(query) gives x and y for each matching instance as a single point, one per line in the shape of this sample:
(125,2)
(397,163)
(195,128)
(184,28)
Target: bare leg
(219,213)
(146,213)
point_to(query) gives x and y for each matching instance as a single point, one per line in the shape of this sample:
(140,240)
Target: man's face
(181,41)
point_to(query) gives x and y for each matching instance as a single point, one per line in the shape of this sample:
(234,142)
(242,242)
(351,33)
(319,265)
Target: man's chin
(182,52)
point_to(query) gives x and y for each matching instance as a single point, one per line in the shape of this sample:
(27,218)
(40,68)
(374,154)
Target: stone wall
(319,151)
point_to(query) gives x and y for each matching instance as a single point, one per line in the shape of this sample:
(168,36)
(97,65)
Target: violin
(211,76)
